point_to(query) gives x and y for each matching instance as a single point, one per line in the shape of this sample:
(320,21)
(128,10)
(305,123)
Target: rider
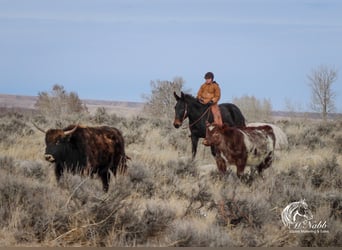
(210,93)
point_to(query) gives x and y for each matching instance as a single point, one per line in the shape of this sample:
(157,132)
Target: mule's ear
(176,96)
(182,94)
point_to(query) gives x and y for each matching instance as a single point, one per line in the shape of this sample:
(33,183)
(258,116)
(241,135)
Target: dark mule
(198,114)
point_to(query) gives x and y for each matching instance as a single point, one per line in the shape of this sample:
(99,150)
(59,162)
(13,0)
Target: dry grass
(165,199)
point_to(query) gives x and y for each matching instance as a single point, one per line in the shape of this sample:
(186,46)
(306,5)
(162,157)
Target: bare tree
(254,110)
(160,103)
(58,102)
(322,94)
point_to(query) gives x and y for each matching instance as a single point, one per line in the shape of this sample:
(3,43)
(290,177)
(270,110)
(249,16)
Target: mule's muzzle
(49,158)
(177,123)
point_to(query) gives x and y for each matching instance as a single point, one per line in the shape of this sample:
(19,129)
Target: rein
(195,122)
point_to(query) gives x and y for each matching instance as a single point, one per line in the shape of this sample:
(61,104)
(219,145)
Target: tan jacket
(209,92)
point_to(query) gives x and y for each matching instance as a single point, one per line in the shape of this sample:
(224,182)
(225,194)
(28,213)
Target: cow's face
(57,142)
(213,134)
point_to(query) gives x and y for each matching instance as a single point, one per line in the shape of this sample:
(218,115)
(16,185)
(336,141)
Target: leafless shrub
(32,169)
(157,218)
(101,116)
(312,139)
(31,201)
(59,103)
(7,164)
(134,228)
(233,211)
(337,144)
(12,127)
(141,180)
(253,108)
(335,208)
(326,175)
(183,167)
(161,101)
(187,234)
(321,239)
(133,130)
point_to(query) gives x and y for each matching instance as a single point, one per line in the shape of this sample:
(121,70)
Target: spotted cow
(252,146)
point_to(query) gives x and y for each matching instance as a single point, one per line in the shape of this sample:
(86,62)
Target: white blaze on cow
(261,145)
(281,141)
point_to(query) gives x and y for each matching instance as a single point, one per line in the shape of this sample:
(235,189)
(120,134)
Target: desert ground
(166,199)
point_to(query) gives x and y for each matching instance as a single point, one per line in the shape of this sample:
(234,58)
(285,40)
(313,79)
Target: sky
(113,49)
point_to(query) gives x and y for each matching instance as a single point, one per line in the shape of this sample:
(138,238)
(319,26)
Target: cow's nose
(49,157)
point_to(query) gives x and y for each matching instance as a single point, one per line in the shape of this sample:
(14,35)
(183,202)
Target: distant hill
(21,102)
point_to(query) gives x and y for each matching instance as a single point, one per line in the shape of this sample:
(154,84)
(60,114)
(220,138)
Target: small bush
(326,175)
(312,139)
(321,239)
(183,167)
(187,234)
(338,144)
(58,102)
(142,180)
(101,116)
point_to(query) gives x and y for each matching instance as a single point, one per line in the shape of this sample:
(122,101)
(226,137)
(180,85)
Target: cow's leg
(105,177)
(240,168)
(58,171)
(269,160)
(214,150)
(266,163)
(115,164)
(194,142)
(221,164)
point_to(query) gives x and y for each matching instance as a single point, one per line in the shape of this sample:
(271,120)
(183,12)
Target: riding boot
(217,115)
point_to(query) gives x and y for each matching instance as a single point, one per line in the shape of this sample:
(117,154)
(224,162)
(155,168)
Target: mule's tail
(122,168)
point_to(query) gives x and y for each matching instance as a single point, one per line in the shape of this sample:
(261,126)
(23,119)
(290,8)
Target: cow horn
(68,132)
(40,129)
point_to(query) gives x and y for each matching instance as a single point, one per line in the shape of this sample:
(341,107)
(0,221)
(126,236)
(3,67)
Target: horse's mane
(189,96)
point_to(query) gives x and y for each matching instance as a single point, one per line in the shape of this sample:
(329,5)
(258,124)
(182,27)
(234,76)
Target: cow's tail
(123,164)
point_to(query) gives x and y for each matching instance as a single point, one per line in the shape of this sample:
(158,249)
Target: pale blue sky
(112,49)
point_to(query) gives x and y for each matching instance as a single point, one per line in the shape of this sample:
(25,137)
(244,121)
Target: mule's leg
(194,141)
(105,178)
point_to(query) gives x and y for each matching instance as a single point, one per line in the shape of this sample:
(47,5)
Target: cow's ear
(176,96)
(207,124)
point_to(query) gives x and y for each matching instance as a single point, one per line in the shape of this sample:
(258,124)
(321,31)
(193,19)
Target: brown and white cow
(252,146)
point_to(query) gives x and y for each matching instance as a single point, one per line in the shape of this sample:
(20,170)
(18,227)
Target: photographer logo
(298,217)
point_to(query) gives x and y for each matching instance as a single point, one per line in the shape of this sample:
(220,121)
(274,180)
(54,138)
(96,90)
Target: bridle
(185,111)
(195,122)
